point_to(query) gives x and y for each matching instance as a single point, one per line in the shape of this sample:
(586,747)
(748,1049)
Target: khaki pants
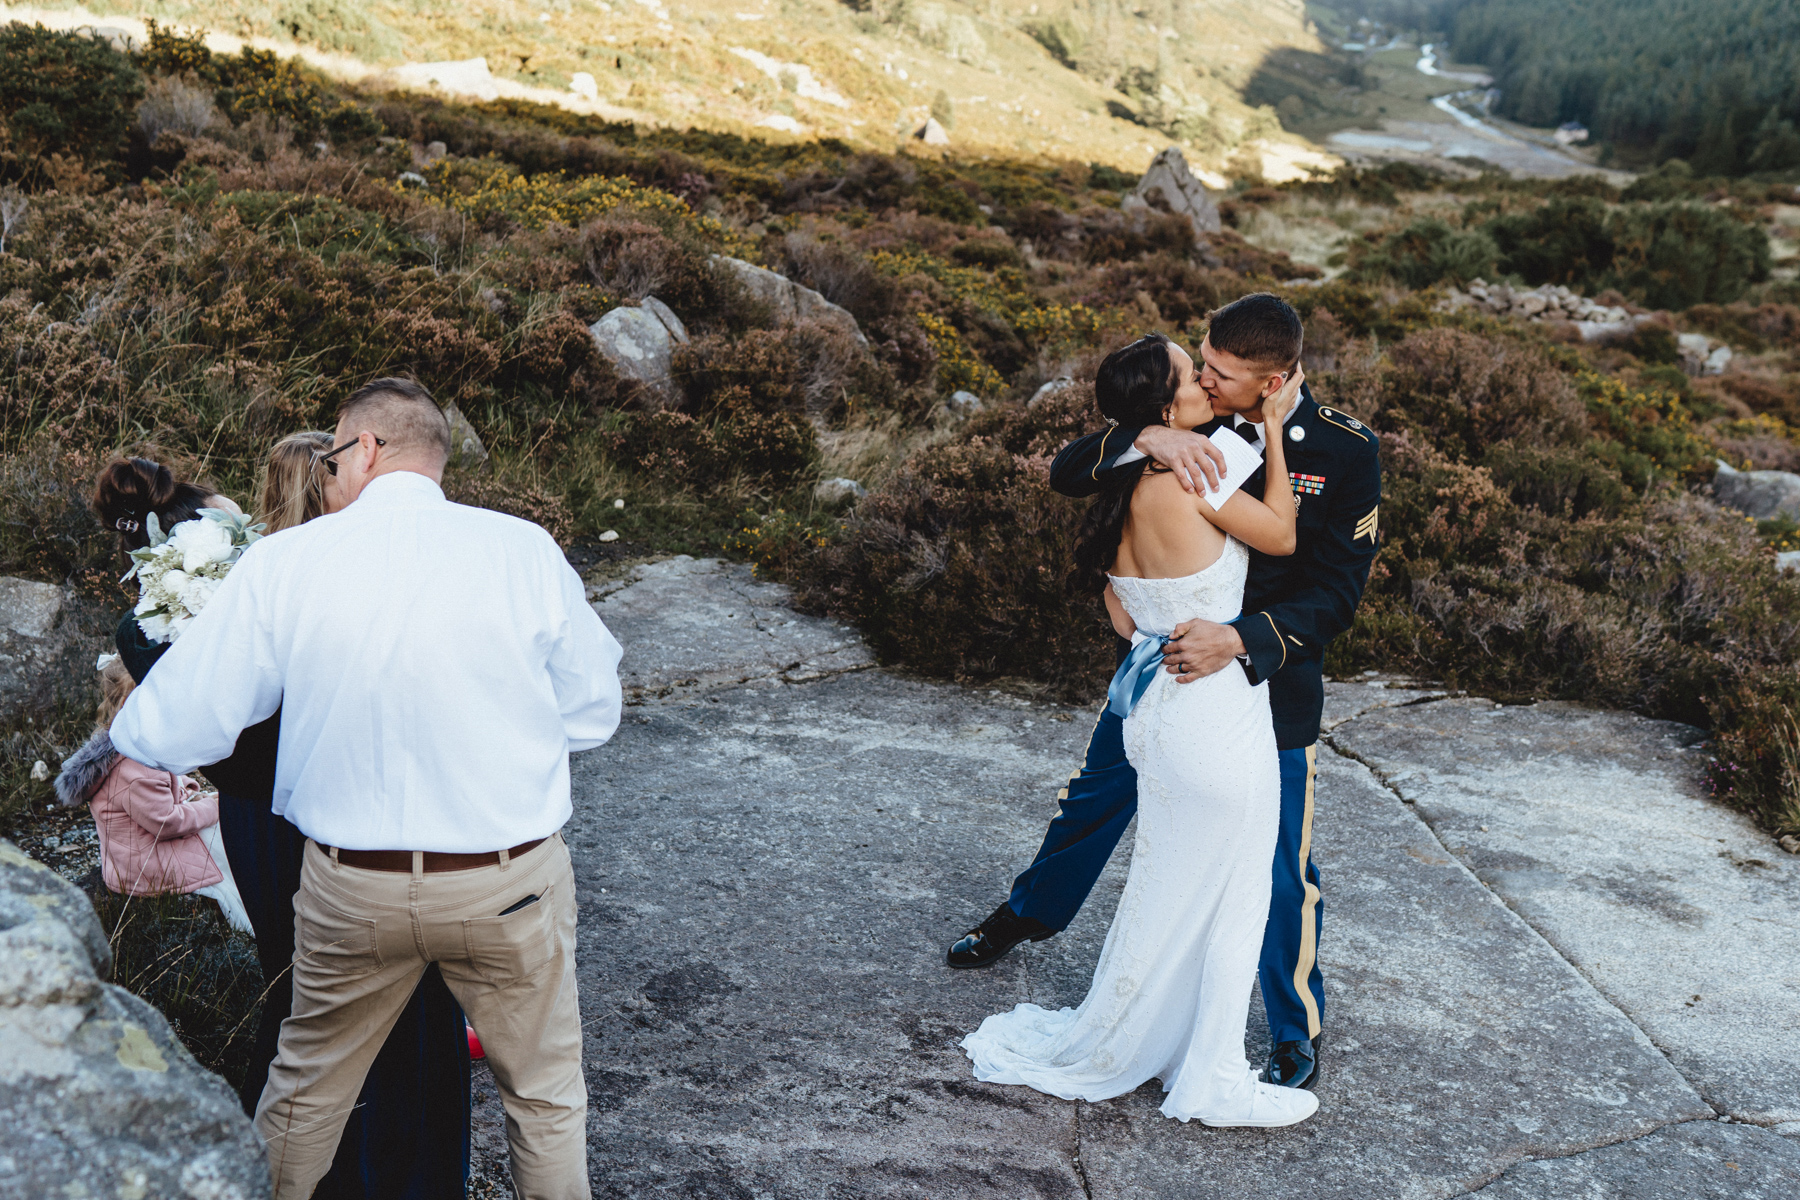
(362,939)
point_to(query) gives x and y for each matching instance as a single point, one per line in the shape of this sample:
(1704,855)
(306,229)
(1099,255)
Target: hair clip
(125,525)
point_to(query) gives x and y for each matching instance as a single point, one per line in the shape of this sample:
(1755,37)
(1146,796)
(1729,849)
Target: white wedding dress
(1172,988)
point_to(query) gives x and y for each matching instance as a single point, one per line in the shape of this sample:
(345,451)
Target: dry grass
(1311,231)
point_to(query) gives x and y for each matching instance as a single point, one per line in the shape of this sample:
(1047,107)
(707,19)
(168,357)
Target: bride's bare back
(1168,534)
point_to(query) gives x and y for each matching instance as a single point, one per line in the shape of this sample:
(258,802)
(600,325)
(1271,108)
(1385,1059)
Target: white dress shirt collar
(1238,421)
(396,484)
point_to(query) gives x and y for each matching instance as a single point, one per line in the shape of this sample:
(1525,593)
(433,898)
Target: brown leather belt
(435,860)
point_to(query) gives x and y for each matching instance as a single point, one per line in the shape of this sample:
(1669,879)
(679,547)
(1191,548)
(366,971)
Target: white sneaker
(1271,1108)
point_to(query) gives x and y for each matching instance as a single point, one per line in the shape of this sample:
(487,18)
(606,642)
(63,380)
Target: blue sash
(1134,675)
(1132,679)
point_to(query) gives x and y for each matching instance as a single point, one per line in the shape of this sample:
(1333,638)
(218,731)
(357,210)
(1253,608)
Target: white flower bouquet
(178,572)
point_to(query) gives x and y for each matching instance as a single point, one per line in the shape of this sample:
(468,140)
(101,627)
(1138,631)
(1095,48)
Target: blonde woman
(296,488)
(409,1132)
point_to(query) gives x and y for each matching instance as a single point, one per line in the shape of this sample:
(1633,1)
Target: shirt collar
(1238,420)
(399,485)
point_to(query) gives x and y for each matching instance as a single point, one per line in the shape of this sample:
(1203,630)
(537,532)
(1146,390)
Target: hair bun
(130,488)
(128,491)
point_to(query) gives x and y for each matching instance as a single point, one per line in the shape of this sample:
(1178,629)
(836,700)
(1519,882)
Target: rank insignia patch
(1368,526)
(1310,485)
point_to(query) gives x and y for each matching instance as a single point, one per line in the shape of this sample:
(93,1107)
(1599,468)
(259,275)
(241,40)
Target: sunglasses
(331,467)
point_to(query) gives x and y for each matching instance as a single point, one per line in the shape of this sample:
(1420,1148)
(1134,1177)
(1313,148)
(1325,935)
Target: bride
(1172,988)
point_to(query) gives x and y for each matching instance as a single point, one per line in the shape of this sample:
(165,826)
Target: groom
(1293,607)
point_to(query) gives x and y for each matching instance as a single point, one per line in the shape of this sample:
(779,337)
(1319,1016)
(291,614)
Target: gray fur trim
(84,770)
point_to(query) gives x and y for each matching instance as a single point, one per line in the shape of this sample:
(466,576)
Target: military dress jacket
(1293,605)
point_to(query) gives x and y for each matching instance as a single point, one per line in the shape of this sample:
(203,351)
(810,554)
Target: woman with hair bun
(408,1135)
(129,490)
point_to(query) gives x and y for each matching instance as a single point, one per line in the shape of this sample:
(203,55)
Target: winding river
(1469,137)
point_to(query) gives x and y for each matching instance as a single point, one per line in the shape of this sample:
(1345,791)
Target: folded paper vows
(1241,462)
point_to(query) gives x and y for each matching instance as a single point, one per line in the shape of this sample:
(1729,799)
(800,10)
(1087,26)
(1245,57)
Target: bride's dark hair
(1133,388)
(130,490)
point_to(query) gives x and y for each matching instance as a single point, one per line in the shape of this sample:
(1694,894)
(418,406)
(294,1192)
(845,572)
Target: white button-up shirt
(434,665)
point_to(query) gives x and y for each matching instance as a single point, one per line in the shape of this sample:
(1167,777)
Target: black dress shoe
(988,942)
(1294,1064)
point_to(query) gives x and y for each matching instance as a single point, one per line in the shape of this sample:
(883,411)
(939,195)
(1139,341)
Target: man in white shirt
(434,666)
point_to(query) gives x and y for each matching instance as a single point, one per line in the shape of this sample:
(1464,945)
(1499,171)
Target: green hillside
(1096,80)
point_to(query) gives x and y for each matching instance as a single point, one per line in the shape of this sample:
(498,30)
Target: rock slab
(695,624)
(98,1097)
(1702,1160)
(1758,494)
(1596,828)
(1459,1043)
(466,448)
(639,341)
(45,653)
(769,872)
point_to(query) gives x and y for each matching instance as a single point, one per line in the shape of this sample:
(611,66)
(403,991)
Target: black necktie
(1251,433)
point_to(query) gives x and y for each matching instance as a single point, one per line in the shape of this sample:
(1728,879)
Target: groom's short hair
(1258,328)
(402,413)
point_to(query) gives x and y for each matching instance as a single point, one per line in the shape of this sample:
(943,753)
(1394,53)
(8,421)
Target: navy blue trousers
(408,1137)
(1098,804)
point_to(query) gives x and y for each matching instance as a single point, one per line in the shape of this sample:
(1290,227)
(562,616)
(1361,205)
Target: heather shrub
(763,369)
(1181,291)
(1755,761)
(1464,393)
(524,500)
(1109,235)
(631,258)
(957,567)
(733,441)
(47,530)
(1564,241)
(1559,480)
(842,275)
(1755,328)
(178,953)
(1758,443)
